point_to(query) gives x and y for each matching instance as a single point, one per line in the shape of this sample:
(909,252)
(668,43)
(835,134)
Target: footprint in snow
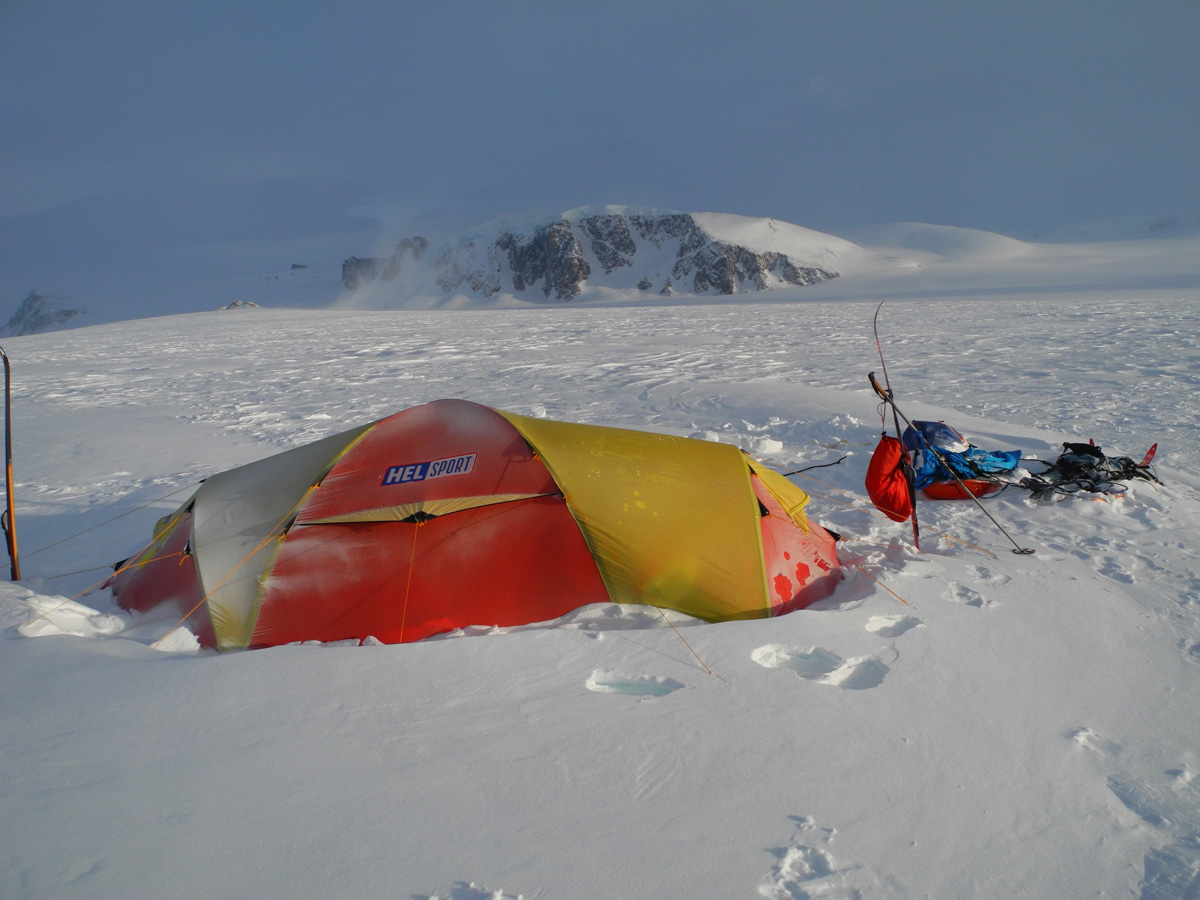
(892,626)
(1170,803)
(603,681)
(987,576)
(1113,569)
(1085,737)
(960,593)
(806,869)
(464,891)
(1191,650)
(826,667)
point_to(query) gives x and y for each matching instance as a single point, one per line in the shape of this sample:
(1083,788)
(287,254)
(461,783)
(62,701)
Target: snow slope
(1014,726)
(967,263)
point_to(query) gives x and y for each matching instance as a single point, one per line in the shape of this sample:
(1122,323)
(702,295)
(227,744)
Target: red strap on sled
(886,485)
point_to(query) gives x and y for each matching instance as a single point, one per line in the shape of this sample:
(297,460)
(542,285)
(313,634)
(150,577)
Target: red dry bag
(886,485)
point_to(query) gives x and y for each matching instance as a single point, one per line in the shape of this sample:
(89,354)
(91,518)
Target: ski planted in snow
(8,518)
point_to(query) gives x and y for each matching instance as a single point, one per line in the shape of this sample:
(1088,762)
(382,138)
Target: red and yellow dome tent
(453,514)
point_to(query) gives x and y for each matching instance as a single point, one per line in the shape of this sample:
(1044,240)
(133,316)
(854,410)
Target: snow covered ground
(1014,726)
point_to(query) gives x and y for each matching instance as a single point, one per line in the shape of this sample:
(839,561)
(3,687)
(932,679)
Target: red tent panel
(508,564)
(477,451)
(168,576)
(801,568)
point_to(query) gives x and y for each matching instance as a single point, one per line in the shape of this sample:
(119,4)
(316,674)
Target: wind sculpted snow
(961,722)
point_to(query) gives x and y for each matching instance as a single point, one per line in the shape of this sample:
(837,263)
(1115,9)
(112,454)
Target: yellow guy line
(880,583)
(412,559)
(129,563)
(951,537)
(110,521)
(663,613)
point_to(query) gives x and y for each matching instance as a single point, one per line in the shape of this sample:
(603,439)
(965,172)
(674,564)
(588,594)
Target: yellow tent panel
(623,486)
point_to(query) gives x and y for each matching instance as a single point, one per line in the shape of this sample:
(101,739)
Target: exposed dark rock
(799,275)
(551,258)
(722,268)
(358,270)
(669,227)
(37,313)
(456,267)
(408,249)
(612,243)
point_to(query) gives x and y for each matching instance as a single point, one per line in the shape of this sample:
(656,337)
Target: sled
(952,490)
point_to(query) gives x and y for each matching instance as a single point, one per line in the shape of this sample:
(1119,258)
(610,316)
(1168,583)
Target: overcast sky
(279,120)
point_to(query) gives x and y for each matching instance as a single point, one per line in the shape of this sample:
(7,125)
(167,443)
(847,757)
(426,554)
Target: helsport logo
(426,471)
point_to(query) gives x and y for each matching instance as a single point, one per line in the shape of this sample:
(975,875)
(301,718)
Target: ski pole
(887,397)
(905,465)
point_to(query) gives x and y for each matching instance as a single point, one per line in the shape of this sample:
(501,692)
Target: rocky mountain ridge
(556,258)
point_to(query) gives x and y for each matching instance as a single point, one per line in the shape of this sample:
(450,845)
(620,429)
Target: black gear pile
(1085,468)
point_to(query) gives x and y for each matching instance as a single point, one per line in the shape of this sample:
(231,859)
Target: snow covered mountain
(598,255)
(557,257)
